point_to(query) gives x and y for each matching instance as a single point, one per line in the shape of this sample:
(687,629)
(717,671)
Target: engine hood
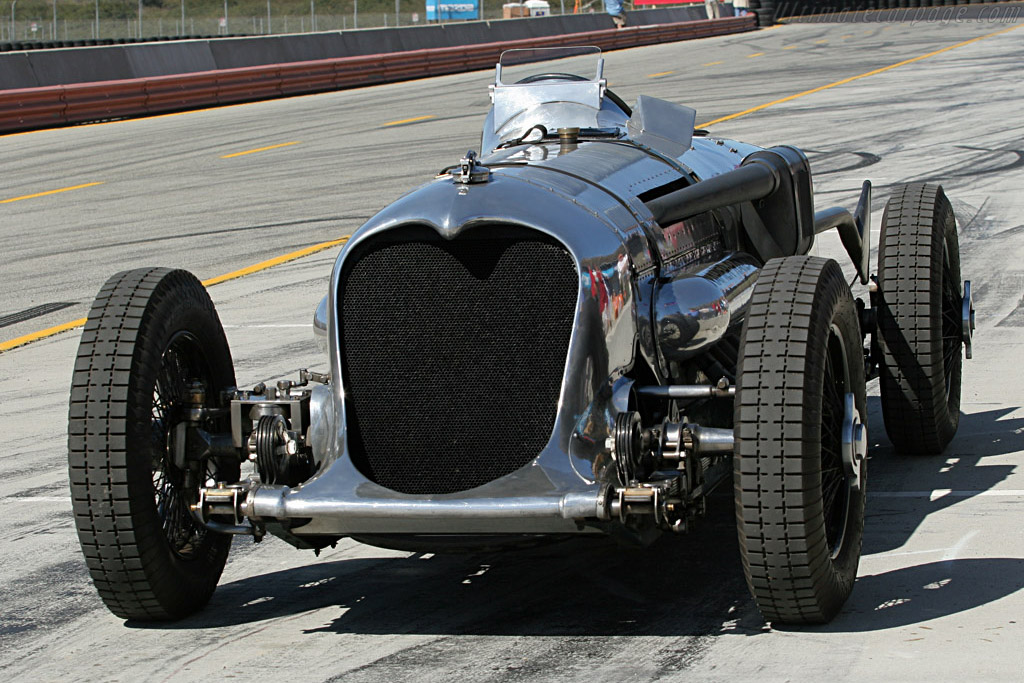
(580,212)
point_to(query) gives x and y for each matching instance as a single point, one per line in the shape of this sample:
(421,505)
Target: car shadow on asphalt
(898,485)
(918,594)
(922,592)
(686,585)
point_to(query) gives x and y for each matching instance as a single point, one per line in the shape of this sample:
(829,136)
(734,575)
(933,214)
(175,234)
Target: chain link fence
(44,29)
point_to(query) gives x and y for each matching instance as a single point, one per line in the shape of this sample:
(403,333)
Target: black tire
(800,521)
(919,320)
(765,17)
(149,334)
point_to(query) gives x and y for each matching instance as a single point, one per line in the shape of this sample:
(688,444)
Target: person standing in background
(713,8)
(614,9)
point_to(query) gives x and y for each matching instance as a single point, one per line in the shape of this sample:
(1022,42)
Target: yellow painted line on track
(270,263)
(260,149)
(41,334)
(820,42)
(111,123)
(660,73)
(791,47)
(233,275)
(49,192)
(49,332)
(756,54)
(412,120)
(857,77)
(151,117)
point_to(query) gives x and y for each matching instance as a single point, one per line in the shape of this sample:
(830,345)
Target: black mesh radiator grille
(452,353)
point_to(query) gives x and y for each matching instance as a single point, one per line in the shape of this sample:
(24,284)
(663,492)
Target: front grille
(453,353)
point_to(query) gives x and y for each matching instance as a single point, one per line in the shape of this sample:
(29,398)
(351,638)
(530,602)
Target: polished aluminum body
(588,196)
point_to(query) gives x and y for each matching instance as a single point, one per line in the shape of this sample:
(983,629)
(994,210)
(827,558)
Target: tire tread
(778,487)
(124,549)
(920,416)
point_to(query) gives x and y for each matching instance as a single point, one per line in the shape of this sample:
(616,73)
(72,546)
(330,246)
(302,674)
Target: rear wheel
(153,354)
(920,328)
(799,491)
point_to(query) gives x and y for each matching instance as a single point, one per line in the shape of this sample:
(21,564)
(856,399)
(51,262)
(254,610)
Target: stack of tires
(764,10)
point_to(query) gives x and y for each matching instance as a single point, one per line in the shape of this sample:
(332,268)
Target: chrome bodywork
(648,293)
(695,309)
(585,330)
(561,482)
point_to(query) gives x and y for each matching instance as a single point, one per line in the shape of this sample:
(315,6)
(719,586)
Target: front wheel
(799,452)
(153,361)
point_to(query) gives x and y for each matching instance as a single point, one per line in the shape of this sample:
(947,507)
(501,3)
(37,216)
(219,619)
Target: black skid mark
(978,168)
(864,159)
(34,312)
(1014,318)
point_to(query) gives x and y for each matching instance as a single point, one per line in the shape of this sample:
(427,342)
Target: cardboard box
(513,10)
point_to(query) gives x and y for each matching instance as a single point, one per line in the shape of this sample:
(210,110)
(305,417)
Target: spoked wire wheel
(835,486)
(153,350)
(952,329)
(176,484)
(799,495)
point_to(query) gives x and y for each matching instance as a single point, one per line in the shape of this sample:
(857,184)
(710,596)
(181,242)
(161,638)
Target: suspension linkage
(226,501)
(691,391)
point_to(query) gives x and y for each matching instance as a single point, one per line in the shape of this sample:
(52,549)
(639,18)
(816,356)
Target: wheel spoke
(834,486)
(180,366)
(830,488)
(949,361)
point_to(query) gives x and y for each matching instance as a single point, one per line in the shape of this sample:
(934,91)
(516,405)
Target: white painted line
(933,495)
(268,326)
(943,493)
(908,552)
(954,552)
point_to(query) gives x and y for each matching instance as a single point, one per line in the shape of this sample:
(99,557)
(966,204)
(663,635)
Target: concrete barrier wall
(36,68)
(159,92)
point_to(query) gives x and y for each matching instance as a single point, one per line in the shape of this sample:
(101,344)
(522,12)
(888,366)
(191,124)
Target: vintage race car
(583,330)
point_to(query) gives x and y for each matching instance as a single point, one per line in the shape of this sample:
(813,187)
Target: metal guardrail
(28,108)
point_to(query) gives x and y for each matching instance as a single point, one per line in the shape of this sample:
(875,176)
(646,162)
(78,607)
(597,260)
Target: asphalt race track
(940,590)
